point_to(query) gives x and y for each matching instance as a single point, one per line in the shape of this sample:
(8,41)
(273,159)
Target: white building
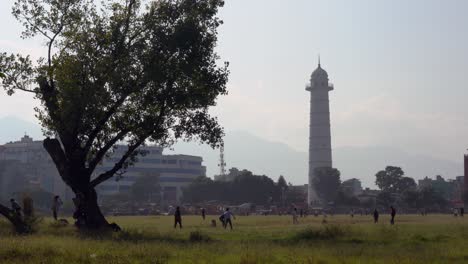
(36,163)
(320,153)
(175,172)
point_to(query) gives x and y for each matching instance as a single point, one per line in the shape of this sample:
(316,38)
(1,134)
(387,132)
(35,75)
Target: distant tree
(117,72)
(282,184)
(146,188)
(294,195)
(405,184)
(392,180)
(327,183)
(385,199)
(246,187)
(387,180)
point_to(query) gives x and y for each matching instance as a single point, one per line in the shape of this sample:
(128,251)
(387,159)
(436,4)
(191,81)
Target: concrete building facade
(320,152)
(174,171)
(36,165)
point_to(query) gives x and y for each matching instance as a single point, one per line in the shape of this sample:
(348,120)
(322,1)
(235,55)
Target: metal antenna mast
(222,163)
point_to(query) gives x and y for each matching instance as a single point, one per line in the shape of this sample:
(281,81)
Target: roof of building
(319,73)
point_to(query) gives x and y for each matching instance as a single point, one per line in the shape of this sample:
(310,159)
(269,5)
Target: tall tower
(320,154)
(222,162)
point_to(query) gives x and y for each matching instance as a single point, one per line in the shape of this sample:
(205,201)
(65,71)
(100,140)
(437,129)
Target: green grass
(255,239)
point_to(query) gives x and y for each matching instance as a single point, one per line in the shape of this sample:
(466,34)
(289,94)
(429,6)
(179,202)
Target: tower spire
(319,60)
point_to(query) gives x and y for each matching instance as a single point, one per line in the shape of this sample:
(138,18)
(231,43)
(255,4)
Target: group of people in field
(375,215)
(56,205)
(225,218)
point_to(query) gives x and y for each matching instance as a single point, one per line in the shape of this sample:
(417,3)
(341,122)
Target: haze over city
(233,131)
(398,68)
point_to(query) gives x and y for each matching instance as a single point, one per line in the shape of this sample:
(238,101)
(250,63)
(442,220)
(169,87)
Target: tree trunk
(20,226)
(88,215)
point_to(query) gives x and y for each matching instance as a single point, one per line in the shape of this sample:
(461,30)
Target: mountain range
(244,150)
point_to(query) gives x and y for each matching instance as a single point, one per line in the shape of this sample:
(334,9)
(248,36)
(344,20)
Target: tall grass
(255,239)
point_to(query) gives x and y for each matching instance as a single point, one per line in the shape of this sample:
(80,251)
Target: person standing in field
(376,216)
(294,215)
(203,213)
(177,218)
(56,204)
(392,213)
(227,215)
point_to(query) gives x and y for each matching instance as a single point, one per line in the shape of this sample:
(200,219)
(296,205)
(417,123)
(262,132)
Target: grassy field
(255,239)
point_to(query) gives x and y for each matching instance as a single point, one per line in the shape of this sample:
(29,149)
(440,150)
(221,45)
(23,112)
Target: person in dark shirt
(392,213)
(177,218)
(376,216)
(203,213)
(15,207)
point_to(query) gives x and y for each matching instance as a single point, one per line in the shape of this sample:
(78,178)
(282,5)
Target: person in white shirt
(227,218)
(294,215)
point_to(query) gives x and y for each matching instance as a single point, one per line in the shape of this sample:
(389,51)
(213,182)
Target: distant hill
(244,150)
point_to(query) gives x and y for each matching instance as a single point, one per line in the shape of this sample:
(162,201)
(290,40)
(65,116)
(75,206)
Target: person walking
(227,215)
(56,204)
(203,213)
(177,218)
(376,216)
(392,213)
(15,207)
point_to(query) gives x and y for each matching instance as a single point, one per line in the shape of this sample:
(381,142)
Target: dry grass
(255,239)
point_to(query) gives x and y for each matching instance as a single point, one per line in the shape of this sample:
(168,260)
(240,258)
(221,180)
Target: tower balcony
(310,87)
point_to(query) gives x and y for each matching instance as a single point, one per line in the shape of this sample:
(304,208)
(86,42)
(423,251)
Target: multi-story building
(174,171)
(352,187)
(37,167)
(451,189)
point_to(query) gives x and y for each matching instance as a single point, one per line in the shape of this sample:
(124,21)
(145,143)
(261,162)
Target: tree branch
(108,174)
(102,152)
(57,154)
(102,122)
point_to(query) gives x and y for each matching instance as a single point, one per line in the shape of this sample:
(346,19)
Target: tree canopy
(120,71)
(327,183)
(392,180)
(246,187)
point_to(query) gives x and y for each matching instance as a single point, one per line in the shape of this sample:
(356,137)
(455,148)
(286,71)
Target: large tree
(327,183)
(121,71)
(393,180)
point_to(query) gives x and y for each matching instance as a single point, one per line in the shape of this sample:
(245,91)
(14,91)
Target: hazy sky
(400,70)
